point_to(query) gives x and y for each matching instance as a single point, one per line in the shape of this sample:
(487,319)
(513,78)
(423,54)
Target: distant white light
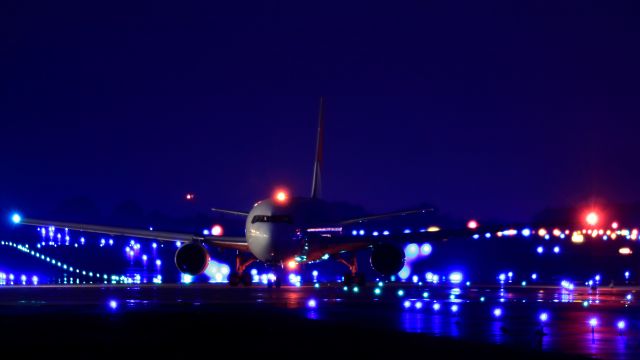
(411,251)
(497,312)
(455,277)
(436,306)
(354,232)
(361,232)
(16,218)
(113,304)
(426,249)
(407,304)
(593,322)
(540,249)
(158,262)
(312,303)
(556,249)
(544,317)
(526,232)
(405,272)
(454,308)
(418,305)
(534,276)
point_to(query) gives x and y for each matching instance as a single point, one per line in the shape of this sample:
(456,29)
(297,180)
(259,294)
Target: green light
(316,285)
(356,289)
(380,284)
(585,303)
(345,288)
(482,299)
(401,293)
(377,291)
(524,283)
(452,297)
(425,294)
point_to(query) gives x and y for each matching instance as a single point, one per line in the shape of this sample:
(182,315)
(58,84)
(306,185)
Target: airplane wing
(387,215)
(229,242)
(333,240)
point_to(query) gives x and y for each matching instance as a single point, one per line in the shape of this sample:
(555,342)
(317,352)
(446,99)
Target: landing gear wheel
(348,279)
(245,278)
(234,279)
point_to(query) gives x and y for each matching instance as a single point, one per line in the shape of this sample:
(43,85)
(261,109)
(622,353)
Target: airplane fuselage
(300,229)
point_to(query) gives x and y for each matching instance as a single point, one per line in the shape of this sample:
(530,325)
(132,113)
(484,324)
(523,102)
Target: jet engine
(192,259)
(387,259)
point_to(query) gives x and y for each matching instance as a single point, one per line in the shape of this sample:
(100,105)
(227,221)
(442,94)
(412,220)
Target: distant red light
(472,224)
(292,264)
(216,230)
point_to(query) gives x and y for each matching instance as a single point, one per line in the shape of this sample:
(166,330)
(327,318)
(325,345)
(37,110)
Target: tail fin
(315,187)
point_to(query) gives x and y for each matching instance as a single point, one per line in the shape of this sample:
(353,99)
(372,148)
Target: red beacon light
(281,196)
(472,224)
(217,230)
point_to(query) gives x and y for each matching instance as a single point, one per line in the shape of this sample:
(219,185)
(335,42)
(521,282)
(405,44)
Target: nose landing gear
(240,275)
(353,277)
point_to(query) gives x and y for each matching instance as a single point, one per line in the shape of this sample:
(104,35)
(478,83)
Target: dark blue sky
(485,110)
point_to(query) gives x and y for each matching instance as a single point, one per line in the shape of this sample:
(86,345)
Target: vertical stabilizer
(315,187)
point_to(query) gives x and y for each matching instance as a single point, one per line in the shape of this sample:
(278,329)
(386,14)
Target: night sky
(485,110)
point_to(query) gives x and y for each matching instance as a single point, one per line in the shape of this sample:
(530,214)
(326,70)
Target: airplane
(279,231)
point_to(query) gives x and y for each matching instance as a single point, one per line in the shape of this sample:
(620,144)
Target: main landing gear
(240,275)
(353,277)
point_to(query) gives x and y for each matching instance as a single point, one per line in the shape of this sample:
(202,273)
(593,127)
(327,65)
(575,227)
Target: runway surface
(184,320)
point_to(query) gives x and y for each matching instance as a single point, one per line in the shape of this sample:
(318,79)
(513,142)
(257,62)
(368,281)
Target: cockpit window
(271,219)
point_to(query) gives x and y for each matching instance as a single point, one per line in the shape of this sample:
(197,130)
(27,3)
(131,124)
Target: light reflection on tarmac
(566,329)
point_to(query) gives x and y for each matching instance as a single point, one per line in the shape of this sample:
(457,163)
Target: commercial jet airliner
(279,231)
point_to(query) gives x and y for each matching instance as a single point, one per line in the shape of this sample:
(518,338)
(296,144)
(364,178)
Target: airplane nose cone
(272,242)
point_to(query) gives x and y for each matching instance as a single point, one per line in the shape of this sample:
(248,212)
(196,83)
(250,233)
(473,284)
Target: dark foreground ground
(201,321)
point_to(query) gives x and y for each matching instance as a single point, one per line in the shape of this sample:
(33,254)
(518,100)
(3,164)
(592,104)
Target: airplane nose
(272,242)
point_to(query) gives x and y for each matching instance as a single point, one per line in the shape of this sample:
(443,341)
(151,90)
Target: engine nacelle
(387,259)
(192,259)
